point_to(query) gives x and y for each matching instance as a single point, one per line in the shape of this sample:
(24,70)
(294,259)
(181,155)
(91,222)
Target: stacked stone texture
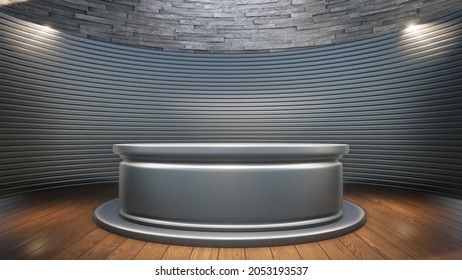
(228,25)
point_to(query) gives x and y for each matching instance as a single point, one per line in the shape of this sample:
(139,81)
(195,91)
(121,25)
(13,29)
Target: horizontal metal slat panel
(396,100)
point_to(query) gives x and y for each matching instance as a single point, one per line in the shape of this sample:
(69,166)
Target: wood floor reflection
(402,224)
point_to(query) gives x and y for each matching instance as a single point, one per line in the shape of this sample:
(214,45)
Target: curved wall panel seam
(48,67)
(396,100)
(315,96)
(369,58)
(399,84)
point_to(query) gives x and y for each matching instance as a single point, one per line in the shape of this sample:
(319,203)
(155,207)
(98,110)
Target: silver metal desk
(230,195)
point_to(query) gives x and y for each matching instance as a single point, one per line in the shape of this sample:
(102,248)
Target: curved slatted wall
(396,99)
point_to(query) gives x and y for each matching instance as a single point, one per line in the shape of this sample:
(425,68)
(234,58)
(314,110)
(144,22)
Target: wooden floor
(58,224)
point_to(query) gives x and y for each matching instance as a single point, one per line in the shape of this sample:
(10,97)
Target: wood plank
(57,224)
(260,253)
(62,232)
(231,254)
(34,214)
(127,250)
(431,236)
(414,250)
(42,235)
(381,244)
(311,251)
(39,232)
(452,205)
(285,253)
(40,203)
(20,204)
(65,235)
(417,205)
(203,253)
(175,252)
(103,248)
(59,238)
(79,247)
(53,226)
(404,205)
(398,232)
(151,251)
(335,250)
(455,203)
(360,249)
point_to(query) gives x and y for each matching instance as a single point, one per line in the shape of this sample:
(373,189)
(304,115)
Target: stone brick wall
(228,25)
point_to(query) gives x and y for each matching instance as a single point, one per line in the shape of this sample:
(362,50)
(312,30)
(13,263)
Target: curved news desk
(230,194)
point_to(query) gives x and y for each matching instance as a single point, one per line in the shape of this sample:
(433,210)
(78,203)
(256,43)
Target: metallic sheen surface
(395,99)
(254,188)
(106,216)
(231,152)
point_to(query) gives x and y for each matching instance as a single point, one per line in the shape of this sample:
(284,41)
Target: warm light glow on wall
(46,29)
(414,28)
(422,36)
(10,2)
(65,100)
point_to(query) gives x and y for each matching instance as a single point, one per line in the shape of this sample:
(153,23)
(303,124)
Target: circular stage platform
(107,217)
(230,194)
